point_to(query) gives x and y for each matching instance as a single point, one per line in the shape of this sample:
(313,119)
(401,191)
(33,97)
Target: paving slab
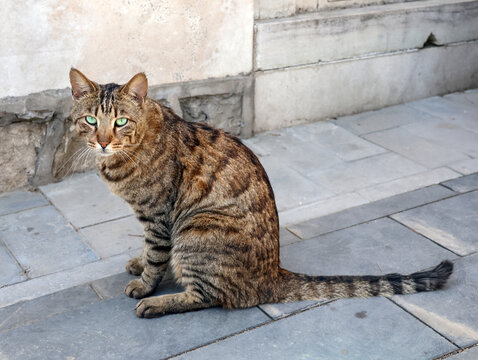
(345,329)
(291,189)
(351,176)
(377,247)
(367,212)
(20,200)
(85,200)
(43,242)
(464,183)
(451,223)
(448,133)
(412,145)
(343,144)
(114,237)
(112,286)
(451,311)
(286,237)
(382,119)
(320,208)
(407,183)
(111,328)
(461,114)
(465,98)
(465,167)
(45,306)
(10,272)
(468,354)
(61,280)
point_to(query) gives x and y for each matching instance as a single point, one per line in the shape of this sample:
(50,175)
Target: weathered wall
(110,41)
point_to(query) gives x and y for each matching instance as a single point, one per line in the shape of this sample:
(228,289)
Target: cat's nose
(103,144)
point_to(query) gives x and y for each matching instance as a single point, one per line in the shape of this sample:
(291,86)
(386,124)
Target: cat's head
(108,116)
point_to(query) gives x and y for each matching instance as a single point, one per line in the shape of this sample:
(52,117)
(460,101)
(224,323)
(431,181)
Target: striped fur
(207,208)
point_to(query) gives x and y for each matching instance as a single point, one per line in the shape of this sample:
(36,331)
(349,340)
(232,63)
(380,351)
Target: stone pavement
(394,190)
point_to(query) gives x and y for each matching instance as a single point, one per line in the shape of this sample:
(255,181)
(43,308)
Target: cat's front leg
(154,260)
(135,266)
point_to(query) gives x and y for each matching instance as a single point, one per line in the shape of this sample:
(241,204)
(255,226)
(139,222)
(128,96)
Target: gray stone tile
(464,183)
(407,183)
(463,98)
(112,286)
(110,328)
(291,189)
(382,119)
(85,200)
(378,247)
(409,144)
(452,222)
(20,200)
(461,114)
(46,306)
(286,237)
(465,167)
(61,280)
(468,354)
(347,177)
(43,242)
(114,237)
(10,272)
(367,212)
(342,143)
(353,329)
(449,134)
(451,311)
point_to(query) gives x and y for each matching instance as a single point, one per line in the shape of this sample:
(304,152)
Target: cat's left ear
(137,87)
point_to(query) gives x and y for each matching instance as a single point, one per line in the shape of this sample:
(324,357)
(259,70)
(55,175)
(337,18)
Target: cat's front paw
(134,266)
(138,289)
(149,308)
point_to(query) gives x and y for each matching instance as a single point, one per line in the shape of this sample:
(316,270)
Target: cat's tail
(295,287)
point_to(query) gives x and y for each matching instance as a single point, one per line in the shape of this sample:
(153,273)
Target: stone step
(342,34)
(302,94)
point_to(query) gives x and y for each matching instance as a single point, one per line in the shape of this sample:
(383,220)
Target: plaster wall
(109,41)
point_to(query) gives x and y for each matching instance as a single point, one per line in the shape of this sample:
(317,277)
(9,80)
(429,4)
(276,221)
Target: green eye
(91,120)
(121,121)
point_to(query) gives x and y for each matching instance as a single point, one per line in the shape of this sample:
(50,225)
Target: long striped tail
(296,287)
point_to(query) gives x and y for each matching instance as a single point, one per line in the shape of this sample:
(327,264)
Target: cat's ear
(137,87)
(80,84)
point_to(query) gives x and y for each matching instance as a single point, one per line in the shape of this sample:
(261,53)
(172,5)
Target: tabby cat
(207,209)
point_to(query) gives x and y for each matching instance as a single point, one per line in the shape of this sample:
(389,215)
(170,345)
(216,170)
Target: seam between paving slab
(424,323)
(426,237)
(374,218)
(251,328)
(24,270)
(457,351)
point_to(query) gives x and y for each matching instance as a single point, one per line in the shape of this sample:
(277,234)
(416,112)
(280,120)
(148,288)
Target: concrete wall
(110,41)
(244,65)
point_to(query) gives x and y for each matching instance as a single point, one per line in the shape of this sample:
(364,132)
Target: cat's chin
(104,154)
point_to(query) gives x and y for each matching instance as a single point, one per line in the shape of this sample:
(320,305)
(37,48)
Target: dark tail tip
(433,279)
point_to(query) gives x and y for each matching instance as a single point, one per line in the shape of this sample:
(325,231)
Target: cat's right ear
(80,84)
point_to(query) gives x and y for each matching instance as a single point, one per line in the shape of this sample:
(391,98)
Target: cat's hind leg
(172,303)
